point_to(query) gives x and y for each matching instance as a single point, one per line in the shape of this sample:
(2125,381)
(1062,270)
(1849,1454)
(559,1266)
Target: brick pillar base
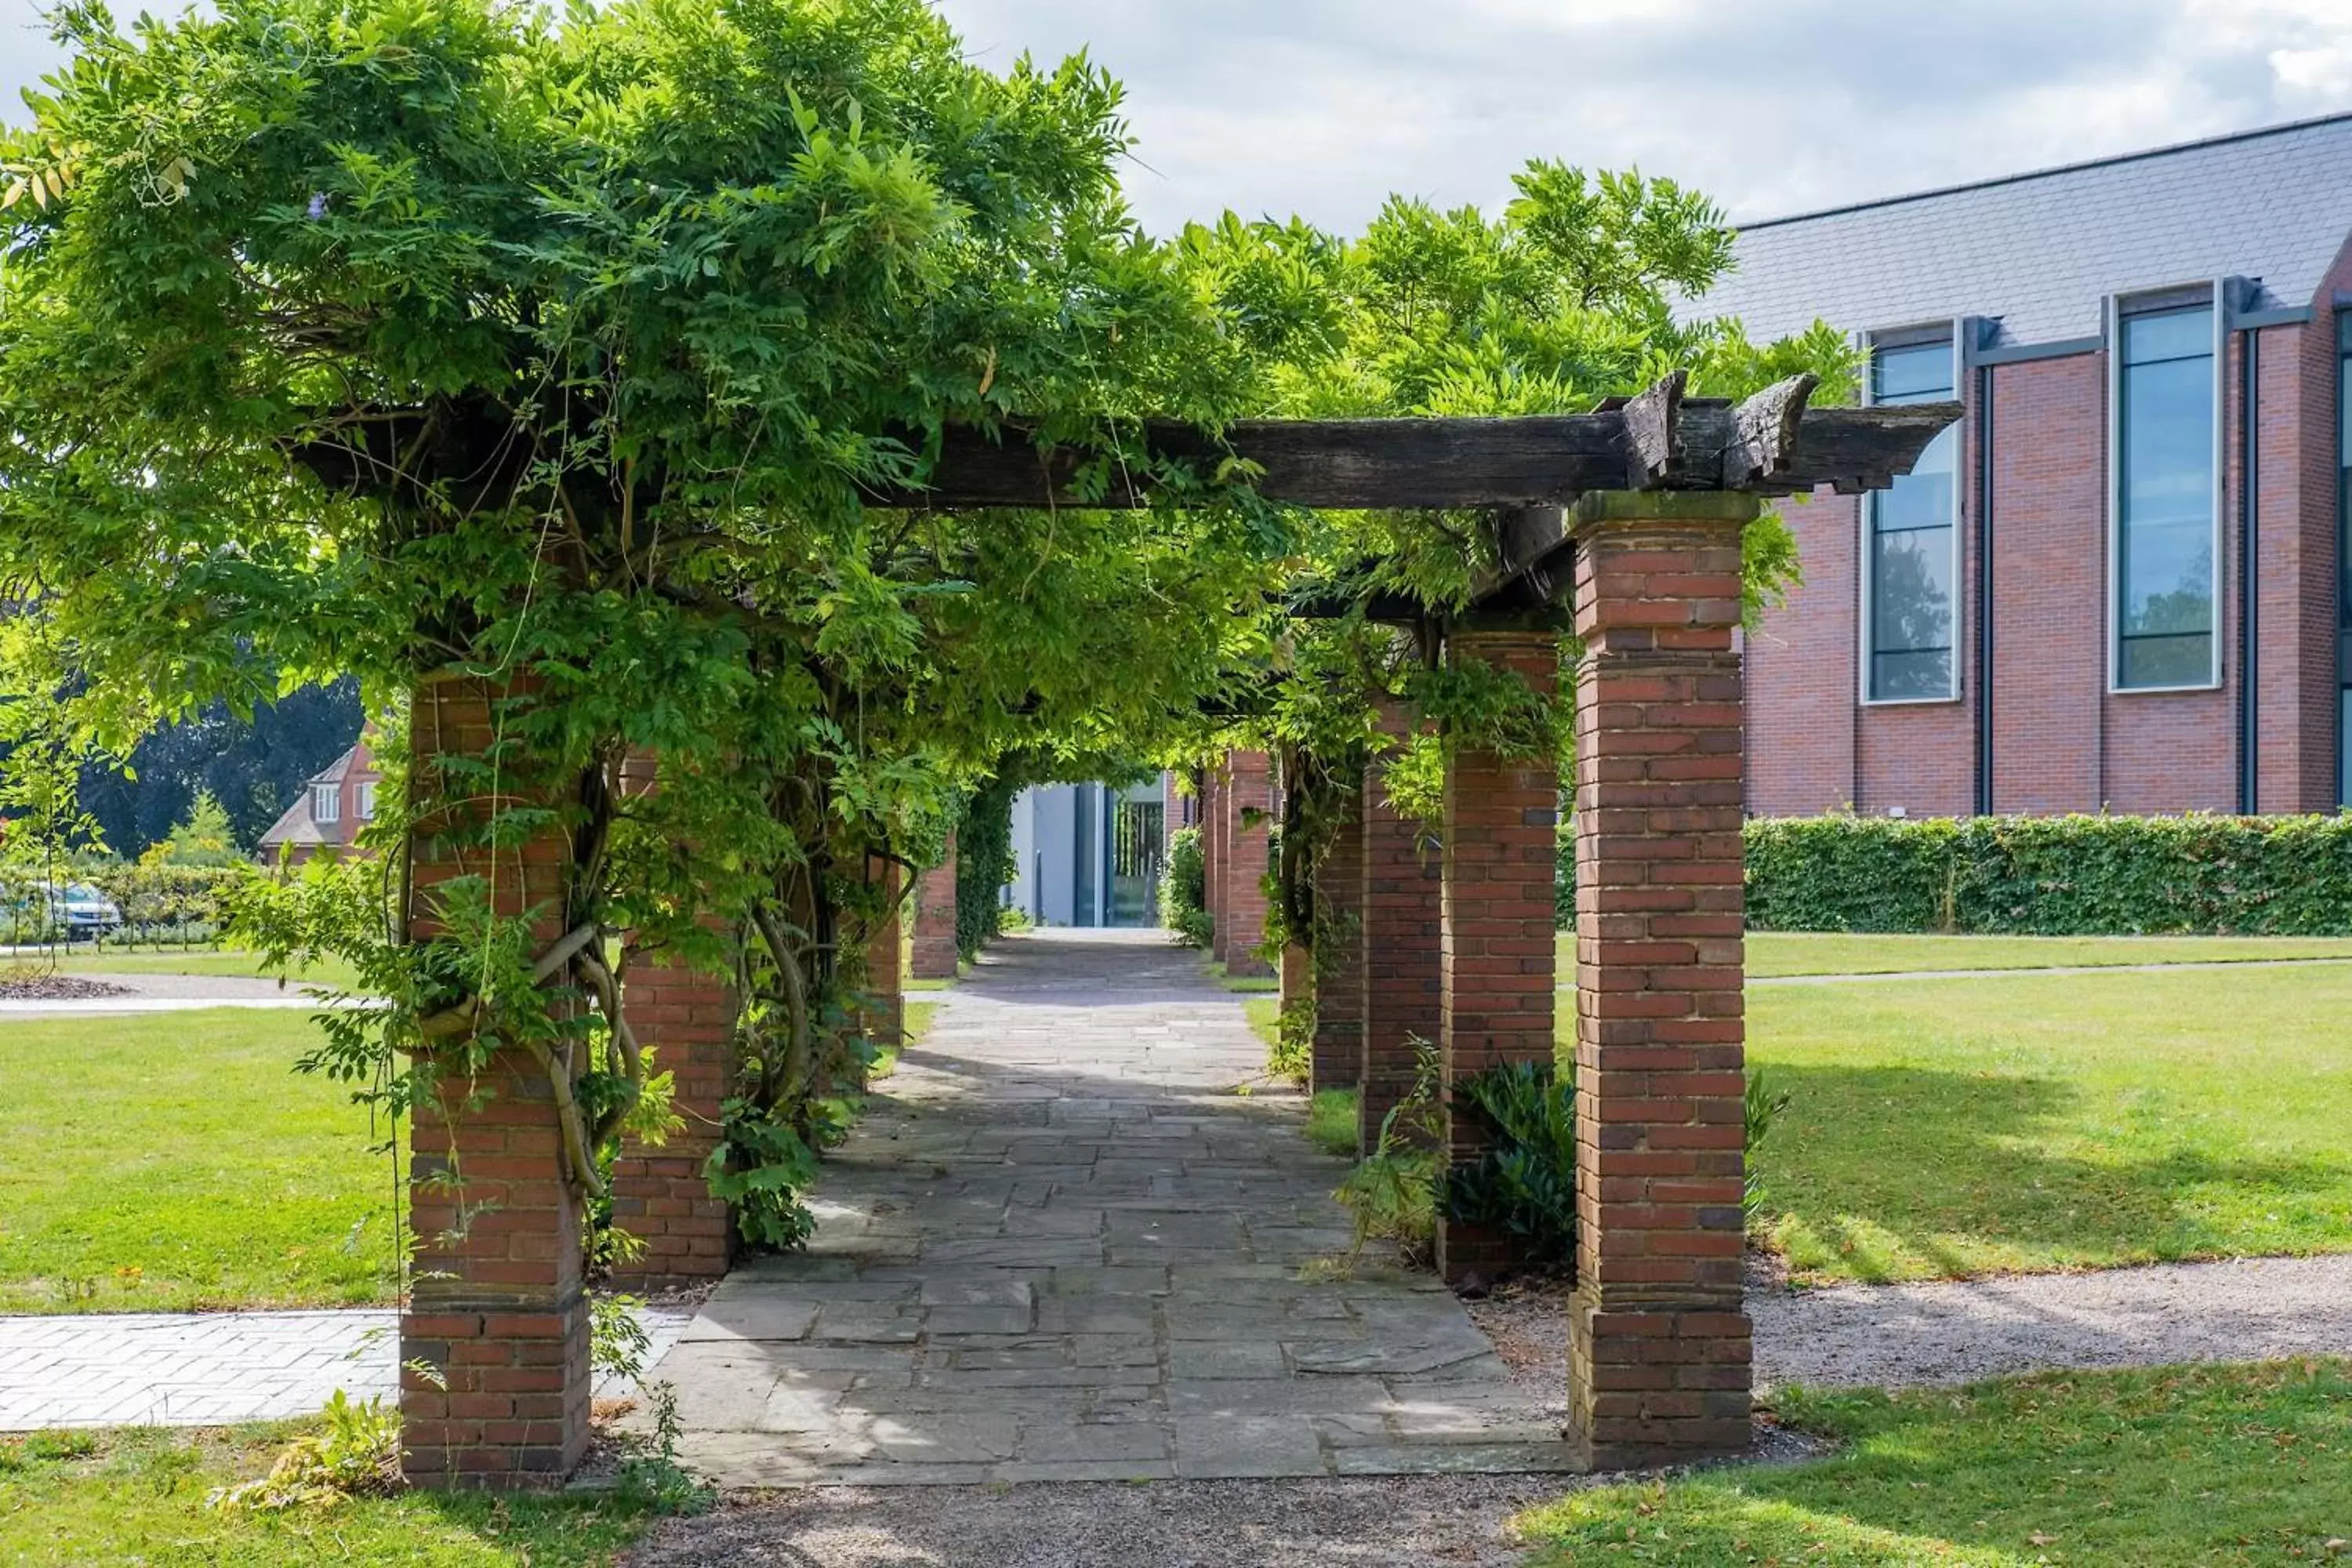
(1243,930)
(659,1193)
(1659,1345)
(495,1306)
(1402,909)
(1338,952)
(1496,973)
(934,956)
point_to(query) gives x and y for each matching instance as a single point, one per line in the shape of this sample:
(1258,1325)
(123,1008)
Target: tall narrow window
(2165,517)
(2344,556)
(326,804)
(1910,556)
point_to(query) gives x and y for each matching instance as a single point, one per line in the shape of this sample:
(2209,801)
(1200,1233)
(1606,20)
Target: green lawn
(1956,1127)
(196,961)
(1773,954)
(2152,1469)
(1809,952)
(137,1496)
(165,1161)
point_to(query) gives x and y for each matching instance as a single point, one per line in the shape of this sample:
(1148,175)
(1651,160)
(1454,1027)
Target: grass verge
(1945,1128)
(2177,1466)
(168,1161)
(195,961)
(137,1495)
(1776,953)
(1331,1121)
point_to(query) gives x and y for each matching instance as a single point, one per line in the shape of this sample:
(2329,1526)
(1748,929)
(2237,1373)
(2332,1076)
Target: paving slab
(1081,1257)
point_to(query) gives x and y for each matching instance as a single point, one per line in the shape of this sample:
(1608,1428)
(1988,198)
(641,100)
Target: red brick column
(1214,852)
(1496,960)
(495,1302)
(1251,791)
(1338,952)
(660,1193)
(885,1020)
(935,954)
(1402,910)
(1659,1347)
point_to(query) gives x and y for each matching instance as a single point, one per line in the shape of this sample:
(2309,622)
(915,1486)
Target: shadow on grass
(2216,1465)
(1885,1173)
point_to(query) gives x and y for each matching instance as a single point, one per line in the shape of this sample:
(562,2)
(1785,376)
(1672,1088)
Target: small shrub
(1762,1108)
(1525,1183)
(762,1166)
(1292,1054)
(1184,890)
(617,1341)
(1392,1192)
(357,1454)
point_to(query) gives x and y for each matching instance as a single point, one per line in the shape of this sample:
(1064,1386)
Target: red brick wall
(934,950)
(1659,1346)
(1800,671)
(1403,911)
(1249,789)
(1497,947)
(495,1303)
(1339,953)
(2061,742)
(660,1193)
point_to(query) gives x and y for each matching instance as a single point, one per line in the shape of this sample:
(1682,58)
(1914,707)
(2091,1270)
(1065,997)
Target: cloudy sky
(1323,107)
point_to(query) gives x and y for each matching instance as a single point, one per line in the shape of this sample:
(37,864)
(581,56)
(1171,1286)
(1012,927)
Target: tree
(203,837)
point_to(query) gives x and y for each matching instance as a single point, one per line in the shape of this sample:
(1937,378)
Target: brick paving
(204,1369)
(1062,1248)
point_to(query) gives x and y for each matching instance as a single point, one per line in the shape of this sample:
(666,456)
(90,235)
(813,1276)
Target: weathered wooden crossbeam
(1770,445)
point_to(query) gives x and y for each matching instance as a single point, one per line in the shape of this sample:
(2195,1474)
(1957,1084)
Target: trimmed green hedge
(2048,876)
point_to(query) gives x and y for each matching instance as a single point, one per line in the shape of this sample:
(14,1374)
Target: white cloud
(1323,107)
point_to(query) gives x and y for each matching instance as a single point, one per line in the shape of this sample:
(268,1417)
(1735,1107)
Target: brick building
(2116,583)
(326,817)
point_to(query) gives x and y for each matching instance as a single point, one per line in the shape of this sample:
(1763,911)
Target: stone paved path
(202,1369)
(1062,1249)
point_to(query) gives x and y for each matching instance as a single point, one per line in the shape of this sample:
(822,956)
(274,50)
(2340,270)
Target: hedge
(2048,876)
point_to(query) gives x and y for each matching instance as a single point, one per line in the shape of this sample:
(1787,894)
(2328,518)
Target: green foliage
(650,1478)
(617,1341)
(1184,890)
(1292,1054)
(983,865)
(762,1168)
(355,1453)
(1392,1192)
(2053,875)
(1760,1106)
(165,900)
(1524,1183)
(1331,1120)
(202,837)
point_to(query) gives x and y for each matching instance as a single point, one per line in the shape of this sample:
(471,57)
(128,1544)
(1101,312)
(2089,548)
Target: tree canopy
(394,338)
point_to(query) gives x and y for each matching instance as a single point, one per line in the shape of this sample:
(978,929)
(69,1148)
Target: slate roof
(296,824)
(2040,250)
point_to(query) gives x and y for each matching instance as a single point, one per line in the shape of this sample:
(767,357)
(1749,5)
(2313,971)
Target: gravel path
(2018,973)
(1882,1335)
(168,993)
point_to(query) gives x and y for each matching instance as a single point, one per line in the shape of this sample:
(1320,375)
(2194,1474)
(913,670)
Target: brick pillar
(1251,791)
(660,1193)
(686,1018)
(1214,852)
(1659,1346)
(935,953)
(496,1304)
(1496,954)
(885,1020)
(1338,952)
(1402,910)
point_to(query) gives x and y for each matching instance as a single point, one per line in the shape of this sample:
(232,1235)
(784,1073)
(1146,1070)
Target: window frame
(331,797)
(2206,295)
(1866,520)
(363,801)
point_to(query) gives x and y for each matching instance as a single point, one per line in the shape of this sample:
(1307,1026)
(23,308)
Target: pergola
(1622,526)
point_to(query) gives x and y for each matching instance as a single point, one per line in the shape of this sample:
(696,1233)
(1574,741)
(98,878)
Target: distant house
(335,805)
